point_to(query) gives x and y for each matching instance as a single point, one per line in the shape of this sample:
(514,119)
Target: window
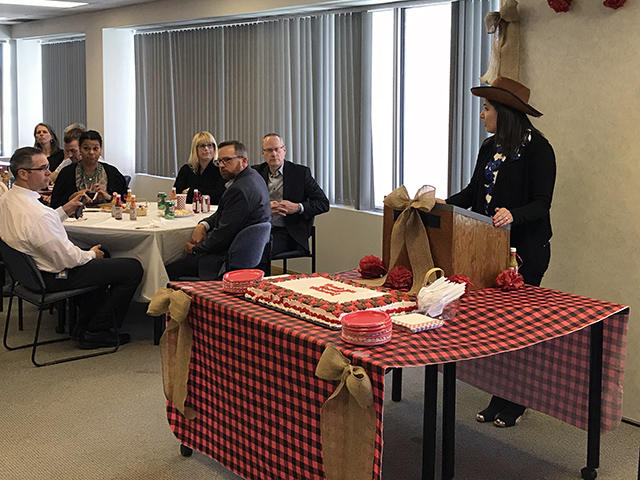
(367,99)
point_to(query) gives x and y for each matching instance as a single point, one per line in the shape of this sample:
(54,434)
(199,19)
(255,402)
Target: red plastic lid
(365,318)
(250,275)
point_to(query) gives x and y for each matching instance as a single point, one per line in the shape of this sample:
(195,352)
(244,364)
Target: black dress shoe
(91,340)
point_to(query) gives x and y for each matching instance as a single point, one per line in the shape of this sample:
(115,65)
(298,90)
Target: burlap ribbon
(505,47)
(175,345)
(409,241)
(348,419)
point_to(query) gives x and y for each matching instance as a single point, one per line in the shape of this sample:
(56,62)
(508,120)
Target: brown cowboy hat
(509,92)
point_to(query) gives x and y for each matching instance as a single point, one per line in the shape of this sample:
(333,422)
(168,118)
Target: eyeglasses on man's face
(203,146)
(41,168)
(272,150)
(224,160)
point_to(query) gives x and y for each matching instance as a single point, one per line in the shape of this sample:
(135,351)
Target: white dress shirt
(35,229)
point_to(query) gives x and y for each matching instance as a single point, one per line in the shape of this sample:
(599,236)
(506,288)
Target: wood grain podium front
(462,242)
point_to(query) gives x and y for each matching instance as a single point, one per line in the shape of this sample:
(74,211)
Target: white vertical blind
(470,50)
(64,85)
(301,77)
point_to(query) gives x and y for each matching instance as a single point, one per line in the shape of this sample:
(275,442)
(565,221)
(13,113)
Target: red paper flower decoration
(399,278)
(371,267)
(509,280)
(562,5)
(615,4)
(462,279)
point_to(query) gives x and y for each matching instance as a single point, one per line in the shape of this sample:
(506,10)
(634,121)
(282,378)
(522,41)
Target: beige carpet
(104,418)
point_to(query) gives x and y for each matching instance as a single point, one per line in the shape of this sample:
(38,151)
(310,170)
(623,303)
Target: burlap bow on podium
(409,241)
(348,421)
(505,47)
(175,345)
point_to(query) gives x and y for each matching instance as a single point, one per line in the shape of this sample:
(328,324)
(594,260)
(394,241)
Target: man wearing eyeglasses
(245,202)
(30,227)
(295,196)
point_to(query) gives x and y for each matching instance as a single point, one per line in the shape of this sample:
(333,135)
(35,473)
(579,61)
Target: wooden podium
(462,242)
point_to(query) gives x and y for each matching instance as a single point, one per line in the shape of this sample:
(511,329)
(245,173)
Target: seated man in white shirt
(35,229)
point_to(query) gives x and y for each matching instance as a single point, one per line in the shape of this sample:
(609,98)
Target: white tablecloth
(153,240)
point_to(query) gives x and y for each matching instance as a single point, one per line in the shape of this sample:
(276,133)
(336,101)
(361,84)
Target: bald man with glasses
(32,228)
(295,196)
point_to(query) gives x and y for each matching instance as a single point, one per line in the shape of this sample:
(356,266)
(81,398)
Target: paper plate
(249,275)
(365,319)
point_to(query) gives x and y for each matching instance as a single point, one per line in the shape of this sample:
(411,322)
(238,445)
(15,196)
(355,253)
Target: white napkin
(433,299)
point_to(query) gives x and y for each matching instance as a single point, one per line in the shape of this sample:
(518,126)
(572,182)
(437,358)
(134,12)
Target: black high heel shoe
(510,416)
(489,414)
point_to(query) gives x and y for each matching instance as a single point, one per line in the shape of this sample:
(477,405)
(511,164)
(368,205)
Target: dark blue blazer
(246,202)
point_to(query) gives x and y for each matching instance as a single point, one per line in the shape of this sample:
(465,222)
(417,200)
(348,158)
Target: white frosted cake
(323,299)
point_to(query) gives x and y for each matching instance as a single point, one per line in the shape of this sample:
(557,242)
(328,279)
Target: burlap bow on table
(175,345)
(505,47)
(348,419)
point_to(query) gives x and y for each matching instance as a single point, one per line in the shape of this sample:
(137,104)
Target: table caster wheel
(186,451)
(588,473)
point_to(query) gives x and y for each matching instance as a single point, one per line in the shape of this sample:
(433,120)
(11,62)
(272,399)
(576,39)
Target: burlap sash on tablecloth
(348,420)
(175,345)
(504,60)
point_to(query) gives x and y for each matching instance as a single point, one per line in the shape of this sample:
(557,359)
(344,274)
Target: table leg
(429,422)
(595,401)
(449,421)
(159,323)
(396,384)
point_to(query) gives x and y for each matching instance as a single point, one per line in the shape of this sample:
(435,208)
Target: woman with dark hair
(89,176)
(47,141)
(200,173)
(513,183)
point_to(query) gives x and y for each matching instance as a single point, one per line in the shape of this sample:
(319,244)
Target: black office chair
(27,284)
(2,283)
(250,249)
(284,256)
(127,179)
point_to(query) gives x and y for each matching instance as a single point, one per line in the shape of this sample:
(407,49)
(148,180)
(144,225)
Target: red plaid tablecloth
(252,376)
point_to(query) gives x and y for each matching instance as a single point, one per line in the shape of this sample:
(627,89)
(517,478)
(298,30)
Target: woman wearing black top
(91,176)
(513,183)
(47,141)
(199,173)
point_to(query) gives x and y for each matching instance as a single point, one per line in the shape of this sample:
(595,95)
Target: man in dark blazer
(295,196)
(245,202)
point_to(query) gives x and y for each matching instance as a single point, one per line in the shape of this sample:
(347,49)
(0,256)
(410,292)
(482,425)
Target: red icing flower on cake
(400,278)
(509,280)
(371,267)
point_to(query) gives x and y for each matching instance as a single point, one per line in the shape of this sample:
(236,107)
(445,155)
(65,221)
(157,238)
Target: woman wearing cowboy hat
(513,183)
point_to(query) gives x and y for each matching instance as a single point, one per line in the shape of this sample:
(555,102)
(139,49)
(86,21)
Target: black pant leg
(121,275)
(185,267)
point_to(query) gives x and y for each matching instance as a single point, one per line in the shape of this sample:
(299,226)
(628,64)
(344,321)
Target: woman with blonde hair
(200,173)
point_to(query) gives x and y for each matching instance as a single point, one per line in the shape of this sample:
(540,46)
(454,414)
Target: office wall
(584,73)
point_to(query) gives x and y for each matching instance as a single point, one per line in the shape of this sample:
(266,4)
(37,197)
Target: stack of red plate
(367,327)
(239,280)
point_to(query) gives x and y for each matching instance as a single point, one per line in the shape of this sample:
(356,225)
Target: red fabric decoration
(371,267)
(615,4)
(462,279)
(562,5)
(399,278)
(509,280)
